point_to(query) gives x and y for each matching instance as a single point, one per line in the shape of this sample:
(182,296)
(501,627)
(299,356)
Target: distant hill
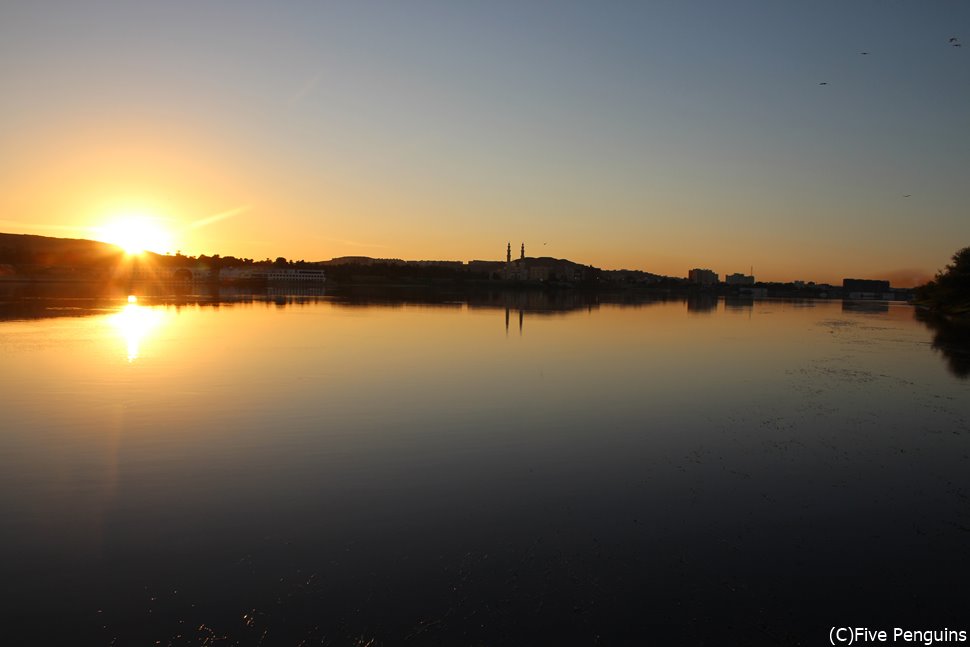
(23,250)
(30,257)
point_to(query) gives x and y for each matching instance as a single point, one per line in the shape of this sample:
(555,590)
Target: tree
(950,290)
(956,275)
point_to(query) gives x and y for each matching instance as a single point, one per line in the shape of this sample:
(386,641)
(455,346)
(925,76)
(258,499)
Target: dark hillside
(25,250)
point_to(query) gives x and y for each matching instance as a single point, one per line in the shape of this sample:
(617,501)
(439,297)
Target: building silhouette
(700,276)
(739,279)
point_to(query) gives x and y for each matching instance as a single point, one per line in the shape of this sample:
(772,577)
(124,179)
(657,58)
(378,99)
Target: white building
(272,274)
(295,275)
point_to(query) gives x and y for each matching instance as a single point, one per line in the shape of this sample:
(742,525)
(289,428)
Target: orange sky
(622,137)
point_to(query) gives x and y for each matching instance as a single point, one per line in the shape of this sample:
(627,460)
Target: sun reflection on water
(135,323)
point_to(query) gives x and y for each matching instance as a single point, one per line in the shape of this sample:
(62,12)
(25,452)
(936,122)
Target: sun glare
(137,234)
(136,323)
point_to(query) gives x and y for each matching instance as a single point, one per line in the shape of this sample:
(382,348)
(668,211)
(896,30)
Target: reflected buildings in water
(738,304)
(865,306)
(43,300)
(701,302)
(521,318)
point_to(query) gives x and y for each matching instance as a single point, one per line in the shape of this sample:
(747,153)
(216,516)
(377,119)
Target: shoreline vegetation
(948,294)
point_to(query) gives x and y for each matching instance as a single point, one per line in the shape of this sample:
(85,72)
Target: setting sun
(137,234)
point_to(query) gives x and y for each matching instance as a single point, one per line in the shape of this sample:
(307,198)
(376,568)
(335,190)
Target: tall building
(702,277)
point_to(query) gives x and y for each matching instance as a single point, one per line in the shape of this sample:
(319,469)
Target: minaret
(508,253)
(523,252)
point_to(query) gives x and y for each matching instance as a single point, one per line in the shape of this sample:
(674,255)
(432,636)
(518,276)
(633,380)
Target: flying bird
(953,39)
(823,83)
(908,195)
(864,53)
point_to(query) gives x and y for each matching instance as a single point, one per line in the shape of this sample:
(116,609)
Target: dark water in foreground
(505,470)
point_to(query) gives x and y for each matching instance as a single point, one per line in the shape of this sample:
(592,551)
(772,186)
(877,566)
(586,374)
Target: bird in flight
(864,53)
(953,39)
(823,83)
(908,195)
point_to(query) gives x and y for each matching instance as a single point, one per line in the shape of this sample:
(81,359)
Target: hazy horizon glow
(658,136)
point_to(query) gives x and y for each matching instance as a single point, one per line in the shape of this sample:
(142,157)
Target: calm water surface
(507,469)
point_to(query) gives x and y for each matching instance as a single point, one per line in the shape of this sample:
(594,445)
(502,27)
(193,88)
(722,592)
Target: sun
(137,234)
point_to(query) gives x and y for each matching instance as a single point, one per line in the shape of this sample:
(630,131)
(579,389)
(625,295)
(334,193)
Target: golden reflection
(135,323)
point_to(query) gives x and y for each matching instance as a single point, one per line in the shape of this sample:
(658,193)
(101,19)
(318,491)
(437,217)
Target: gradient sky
(656,135)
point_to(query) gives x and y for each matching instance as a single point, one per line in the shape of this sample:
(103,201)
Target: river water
(500,468)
